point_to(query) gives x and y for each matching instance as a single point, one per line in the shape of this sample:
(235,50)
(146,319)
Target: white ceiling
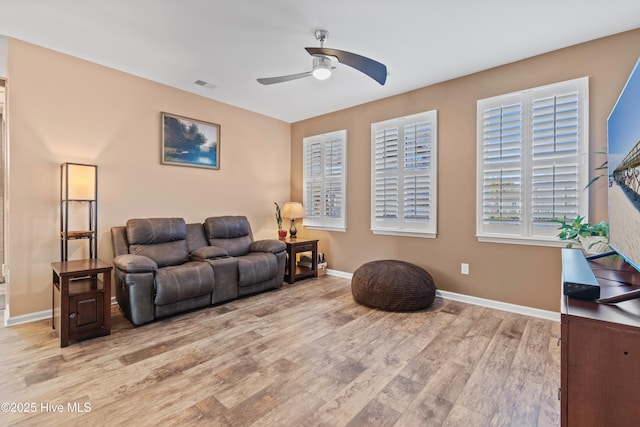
(230,43)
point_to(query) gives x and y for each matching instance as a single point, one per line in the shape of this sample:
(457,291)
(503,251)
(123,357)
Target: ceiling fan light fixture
(322,58)
(321,67)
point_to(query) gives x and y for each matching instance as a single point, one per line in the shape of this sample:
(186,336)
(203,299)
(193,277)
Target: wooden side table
(81,302)
(600,351)
(294,247)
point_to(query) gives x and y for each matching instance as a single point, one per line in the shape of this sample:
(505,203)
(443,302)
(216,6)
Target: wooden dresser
(600,362)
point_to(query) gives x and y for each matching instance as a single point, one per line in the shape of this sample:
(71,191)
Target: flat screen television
(623,136)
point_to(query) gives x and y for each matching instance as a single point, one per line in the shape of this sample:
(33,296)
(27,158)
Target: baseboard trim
(26,318)
(498,305)
(32,317)
(338,273)
(453,296)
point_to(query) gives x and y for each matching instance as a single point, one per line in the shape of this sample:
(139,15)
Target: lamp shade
(293,210)
(78,181)
(321,67)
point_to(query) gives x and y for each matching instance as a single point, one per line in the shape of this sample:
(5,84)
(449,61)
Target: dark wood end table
(81,301)
(294,247)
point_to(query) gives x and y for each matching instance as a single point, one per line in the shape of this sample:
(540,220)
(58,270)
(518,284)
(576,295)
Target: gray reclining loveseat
(164,266)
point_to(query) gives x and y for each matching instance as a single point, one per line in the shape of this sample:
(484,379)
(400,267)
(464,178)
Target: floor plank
(304,355)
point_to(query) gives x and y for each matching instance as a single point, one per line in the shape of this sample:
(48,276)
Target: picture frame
(190,142)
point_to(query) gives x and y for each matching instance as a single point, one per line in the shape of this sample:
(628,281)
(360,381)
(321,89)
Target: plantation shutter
(324,181)
(532,163)
(417,168)
(333,189)
(555,189)
(313,179)
(502,166)
(403,175)
(386,190)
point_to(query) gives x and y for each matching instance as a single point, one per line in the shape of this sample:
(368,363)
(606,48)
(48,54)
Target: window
(404,178)
(532,162)
(324,182)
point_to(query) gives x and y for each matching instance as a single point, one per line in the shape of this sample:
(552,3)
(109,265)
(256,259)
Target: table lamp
(293,210)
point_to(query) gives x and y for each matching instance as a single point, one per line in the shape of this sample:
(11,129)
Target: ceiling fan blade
(368,66)
(280,79)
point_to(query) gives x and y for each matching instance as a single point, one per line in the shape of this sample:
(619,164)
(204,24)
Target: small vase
(282,234)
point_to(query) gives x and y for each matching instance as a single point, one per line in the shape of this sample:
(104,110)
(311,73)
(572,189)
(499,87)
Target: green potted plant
(594,238)
(603,167)
(282,234)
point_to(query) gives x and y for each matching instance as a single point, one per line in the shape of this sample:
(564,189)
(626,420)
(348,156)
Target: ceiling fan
(322,67)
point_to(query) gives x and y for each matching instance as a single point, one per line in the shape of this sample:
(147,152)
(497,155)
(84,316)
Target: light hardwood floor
(303,355)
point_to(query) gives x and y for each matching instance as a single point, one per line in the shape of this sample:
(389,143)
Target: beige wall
(65,109)
(518,274)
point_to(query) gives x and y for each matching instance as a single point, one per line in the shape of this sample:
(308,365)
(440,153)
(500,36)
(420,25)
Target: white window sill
(422,234)
(325,228)
(530,241)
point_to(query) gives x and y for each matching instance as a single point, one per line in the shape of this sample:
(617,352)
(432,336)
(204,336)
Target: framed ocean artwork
(190,142)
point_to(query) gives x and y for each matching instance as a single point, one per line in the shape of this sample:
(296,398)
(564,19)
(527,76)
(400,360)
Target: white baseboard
(25,318)
(498,305)
(337,273)
(32,317)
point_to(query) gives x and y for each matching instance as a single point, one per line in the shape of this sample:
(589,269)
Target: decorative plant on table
(594,238)
(603,167)
(282,234)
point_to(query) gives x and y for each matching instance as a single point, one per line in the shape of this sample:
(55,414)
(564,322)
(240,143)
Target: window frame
(323,221)
(401,224)
(525,233)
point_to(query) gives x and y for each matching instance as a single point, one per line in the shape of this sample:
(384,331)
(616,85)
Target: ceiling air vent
(204,84)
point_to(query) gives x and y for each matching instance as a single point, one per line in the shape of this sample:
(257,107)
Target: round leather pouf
(393,286)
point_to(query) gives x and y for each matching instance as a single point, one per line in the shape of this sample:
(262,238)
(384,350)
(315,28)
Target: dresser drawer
(305,247)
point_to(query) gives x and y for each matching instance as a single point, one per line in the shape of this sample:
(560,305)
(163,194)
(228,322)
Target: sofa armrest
(134,292)
(270,245)
(135,264)
(209,252)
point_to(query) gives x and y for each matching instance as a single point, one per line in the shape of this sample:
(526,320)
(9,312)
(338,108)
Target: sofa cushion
(180,282)
(232,233)
(273,246)
(226,227)
(161,239)
(256,267)
(148,231)
(164,254)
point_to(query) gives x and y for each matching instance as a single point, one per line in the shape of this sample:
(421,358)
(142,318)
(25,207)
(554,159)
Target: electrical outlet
(464,268)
